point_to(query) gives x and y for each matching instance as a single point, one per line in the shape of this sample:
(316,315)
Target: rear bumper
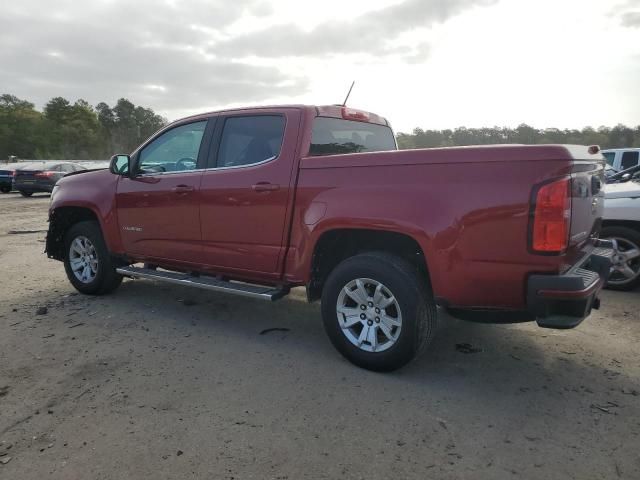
(33,186)
(563,301)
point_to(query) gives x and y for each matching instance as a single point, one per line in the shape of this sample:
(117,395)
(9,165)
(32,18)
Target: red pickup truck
(256,201)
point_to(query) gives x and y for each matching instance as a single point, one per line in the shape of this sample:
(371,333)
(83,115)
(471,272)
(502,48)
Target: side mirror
(626,177)
(120,165)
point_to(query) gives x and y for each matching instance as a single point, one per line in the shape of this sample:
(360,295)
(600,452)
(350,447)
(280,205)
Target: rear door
(158,209)
(247,191)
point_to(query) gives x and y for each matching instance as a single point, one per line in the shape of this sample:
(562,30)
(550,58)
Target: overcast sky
(425,63)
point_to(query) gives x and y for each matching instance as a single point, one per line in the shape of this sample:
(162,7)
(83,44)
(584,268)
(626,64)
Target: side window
(609,157)
(174,151)
(629,159)
(250,140)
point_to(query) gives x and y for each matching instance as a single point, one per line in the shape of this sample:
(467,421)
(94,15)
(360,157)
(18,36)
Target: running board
(205,282)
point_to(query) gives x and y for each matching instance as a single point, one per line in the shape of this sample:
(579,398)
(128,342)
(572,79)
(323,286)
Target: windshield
(332,136)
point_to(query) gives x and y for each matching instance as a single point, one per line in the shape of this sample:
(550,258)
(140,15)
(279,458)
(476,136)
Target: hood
(82,176)
(622,190)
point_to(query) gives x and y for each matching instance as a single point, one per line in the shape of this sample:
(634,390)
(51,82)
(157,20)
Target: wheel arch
(335,245)
(61,219)
(633,224)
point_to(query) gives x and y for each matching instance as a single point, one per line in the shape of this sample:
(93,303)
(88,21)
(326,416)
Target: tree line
(65,130)
(619,136)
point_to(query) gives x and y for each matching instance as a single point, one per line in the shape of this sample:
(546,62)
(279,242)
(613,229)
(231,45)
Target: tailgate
(587,200)
(25,176)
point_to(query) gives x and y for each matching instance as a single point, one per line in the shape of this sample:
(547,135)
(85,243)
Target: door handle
(266,187)
(182,189)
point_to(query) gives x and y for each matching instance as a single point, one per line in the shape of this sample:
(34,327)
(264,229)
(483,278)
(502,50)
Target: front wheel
(378,311)
(625,273)
(25,194)
(87,262)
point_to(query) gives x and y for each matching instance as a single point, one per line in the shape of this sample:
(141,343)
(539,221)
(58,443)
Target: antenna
(348,93)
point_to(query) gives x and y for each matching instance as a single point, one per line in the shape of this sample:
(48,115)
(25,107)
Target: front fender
(95,192)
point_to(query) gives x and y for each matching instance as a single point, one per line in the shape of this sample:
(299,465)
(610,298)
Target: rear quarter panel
(470,219)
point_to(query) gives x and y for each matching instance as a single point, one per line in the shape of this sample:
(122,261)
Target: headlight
(53,193)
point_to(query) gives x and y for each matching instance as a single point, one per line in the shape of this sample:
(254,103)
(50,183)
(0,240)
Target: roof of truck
(336,111)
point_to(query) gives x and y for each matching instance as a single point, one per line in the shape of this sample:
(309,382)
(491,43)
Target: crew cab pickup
(256,201)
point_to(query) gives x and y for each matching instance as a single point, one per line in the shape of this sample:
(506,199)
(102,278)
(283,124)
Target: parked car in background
(41,176)
(622,158)
(621,222)
(6,178)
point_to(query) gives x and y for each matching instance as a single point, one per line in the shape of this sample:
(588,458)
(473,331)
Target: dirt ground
(157,381)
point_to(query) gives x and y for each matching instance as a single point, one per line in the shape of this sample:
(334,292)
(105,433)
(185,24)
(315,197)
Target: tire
(628,241)
(99,280)
(5,189)
(401,282)
(25,194)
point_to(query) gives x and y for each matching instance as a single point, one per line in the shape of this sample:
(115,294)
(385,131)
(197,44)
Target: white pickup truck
(622,158)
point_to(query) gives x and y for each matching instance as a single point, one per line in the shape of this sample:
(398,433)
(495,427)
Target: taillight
(552,217)
(44,174)
(353,114)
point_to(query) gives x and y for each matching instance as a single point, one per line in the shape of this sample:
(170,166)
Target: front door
(247,194)
(158,209)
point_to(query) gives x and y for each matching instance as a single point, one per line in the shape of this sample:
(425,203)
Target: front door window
(174,151)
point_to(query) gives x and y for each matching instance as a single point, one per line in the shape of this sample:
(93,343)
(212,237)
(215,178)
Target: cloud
(106,50)
(630,19)
(178,56)
(371,33)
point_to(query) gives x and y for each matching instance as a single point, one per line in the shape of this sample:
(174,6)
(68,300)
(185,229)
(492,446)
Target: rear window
(38,166)
(629,159)
(332,136)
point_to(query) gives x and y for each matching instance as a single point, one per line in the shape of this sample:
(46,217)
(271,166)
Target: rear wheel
(625,273)
(378,311)
(5,189)
(88,264)
(25,194)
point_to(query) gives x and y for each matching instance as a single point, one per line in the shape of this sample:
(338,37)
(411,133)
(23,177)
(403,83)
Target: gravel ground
(157,381)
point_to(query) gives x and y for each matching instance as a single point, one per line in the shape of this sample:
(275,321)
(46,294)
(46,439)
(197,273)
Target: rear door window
(332,136)
(629,159)
(251,139)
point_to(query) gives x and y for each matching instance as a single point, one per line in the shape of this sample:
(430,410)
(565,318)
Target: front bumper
(563,301)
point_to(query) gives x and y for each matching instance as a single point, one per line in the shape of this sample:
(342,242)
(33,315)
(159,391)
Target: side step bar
(205,282)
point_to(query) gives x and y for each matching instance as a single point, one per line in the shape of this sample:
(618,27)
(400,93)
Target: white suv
(622,222)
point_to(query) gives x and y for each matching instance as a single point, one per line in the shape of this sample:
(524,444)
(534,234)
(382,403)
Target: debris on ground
(605,408)
(42,311)
(274,329)
(24,232)
(5,460)
(4,390)
(467,348)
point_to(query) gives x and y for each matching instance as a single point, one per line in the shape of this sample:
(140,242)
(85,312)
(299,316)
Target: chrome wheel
(369,315)
(83,259)
(626,262)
